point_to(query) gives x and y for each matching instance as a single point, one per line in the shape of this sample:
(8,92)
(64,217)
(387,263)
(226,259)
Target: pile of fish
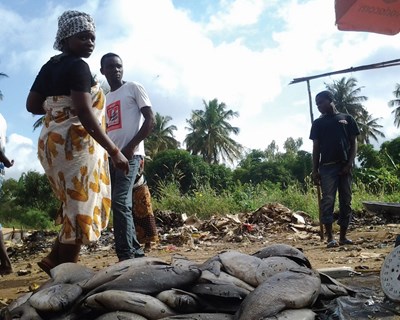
(277,282)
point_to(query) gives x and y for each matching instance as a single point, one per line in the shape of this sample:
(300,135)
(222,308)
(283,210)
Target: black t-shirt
(333,131)
(61,74)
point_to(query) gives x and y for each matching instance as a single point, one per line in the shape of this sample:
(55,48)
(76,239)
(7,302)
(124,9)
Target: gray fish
(331,288)
(180,300)
(5,314)
(294,314)
(223,278)
(70,272)
(55,298)
(248,268)
(220,290)
(19,301)
(114,271)
(117,300)
(25,312)
(183,262)
(201,316)
(294,289)
(121,315)
(274,265)
(151,279)
(284,250)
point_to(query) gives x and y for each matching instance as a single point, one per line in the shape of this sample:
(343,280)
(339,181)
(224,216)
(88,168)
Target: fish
(114,271)
(284,250)
(293,314)
(223,278)
(293,289)
(151,279)
(331,288)
(25,311)
(55,298)
(118,300)
(220,290)
(19,301)
(120,315)
(274,265)
(70,272)
(183,262)
(249,268)
(180,300)
(201,316)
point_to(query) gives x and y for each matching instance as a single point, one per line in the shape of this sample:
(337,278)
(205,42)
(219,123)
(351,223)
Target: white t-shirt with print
(123,115)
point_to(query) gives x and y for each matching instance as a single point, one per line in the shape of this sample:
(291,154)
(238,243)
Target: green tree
(34,191)
(272,151)
(292,146)
(162,137)
(369,128)
(188,171)
(395,103)
(369,158)
(347,96)
(210,132)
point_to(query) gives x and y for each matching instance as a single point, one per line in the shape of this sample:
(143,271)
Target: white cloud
(24,153)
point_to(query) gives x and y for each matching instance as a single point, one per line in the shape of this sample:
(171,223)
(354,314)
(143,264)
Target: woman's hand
(120,162)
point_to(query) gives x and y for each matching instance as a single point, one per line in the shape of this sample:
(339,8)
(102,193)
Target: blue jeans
(331,184)
(126,243)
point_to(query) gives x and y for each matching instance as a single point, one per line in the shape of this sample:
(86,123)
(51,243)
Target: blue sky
(242,52)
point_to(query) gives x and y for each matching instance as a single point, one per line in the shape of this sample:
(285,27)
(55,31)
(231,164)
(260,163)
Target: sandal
(46,265)
(332,244)
(345,241)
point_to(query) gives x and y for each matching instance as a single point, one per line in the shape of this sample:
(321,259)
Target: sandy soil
(372,245)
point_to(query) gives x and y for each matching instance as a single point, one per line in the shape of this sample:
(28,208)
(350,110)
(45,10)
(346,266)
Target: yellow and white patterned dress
(77,168)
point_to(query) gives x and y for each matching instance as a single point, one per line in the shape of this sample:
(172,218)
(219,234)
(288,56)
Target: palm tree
(162,138)
(369,128)
(396,103)
(346,96)
(209,133)
(2,75)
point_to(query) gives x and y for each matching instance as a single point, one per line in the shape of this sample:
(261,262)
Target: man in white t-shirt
(5,266)
(130,120)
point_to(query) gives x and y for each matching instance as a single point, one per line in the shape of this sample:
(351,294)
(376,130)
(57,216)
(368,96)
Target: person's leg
(121,186)
(5,266)
(52,259)
(345,211)
(60,253)
(329,186)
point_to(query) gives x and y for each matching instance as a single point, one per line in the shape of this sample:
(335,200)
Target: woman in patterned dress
(73,147)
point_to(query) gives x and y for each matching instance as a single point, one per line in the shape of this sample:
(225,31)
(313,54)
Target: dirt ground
(371,245)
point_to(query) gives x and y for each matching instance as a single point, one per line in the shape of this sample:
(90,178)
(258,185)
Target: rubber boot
(343,238)
(329,232)
(68,253)
(52,259)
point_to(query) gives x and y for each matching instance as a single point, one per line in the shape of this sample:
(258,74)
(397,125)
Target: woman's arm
(35,103)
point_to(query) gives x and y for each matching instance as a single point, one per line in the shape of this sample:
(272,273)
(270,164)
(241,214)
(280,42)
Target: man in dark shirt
(334,150)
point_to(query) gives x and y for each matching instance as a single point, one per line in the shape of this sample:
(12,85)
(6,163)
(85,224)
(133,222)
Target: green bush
(36,219)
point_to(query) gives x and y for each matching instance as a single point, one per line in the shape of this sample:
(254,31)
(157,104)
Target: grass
(205,203)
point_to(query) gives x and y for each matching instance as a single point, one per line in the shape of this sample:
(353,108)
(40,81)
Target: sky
(244,53)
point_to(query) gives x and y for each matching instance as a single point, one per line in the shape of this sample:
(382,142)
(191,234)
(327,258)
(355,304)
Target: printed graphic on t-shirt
(114,116)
